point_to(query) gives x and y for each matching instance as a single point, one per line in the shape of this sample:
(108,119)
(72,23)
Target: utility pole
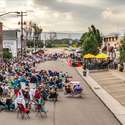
(22,42)
(1,41)
(22,14)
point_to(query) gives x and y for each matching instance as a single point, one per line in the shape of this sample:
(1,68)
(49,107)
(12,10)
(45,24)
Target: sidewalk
(100,90)
(118,74)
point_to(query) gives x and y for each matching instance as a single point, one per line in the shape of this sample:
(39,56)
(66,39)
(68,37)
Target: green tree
(30,43)
(91,40)
(97,35)
(49,44)
(122,51)
(7,54)
(75,44)
(37,30)
(39,44)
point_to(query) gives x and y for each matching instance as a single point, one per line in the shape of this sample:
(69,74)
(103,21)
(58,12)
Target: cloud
(2,3)
(114,2)
(57,15)
(114,16)
(68,15)
(91,3)
(107,14)
(79,14)
(65,6)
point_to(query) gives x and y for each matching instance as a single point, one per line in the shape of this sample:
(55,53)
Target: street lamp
(9,13)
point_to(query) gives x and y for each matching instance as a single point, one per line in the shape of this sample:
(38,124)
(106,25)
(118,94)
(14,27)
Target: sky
(67,15)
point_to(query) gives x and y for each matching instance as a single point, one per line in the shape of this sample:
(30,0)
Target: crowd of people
(23,89)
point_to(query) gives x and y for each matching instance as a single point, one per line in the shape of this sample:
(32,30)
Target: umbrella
(89,56)
(102,56)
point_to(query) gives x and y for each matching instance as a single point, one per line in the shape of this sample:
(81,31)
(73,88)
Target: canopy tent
(89,56)
(102,56)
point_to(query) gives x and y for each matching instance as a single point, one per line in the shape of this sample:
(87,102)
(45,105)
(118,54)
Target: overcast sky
(68,15)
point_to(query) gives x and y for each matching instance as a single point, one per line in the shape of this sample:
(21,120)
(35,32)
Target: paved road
(88,110)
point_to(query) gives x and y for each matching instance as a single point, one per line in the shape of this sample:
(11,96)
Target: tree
(30,43)
(7,54)
(96,33)
(91,40)
(75,44)
(122,51)
(90,44)
(37,30)
(49,44)
(40,44)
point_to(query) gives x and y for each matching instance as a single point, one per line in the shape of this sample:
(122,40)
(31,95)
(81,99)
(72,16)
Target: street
(88,110)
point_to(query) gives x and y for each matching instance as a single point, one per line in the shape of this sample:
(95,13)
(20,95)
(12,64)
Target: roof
(10,35)
(111,34)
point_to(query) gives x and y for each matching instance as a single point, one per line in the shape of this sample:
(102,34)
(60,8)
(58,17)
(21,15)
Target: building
(11,40)
(112,40)
(111,43)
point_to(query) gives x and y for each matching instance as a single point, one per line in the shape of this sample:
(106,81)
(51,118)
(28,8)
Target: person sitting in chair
(53,93)
(68,89)
(9,103)
(77,88)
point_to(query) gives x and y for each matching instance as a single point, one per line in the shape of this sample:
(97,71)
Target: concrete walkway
(104,84)
(118,74)
(113,82)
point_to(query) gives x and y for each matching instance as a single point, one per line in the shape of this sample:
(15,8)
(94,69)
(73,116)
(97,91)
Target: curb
(112,104)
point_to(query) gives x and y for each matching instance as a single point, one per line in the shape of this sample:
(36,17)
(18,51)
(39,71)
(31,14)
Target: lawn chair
(24,112)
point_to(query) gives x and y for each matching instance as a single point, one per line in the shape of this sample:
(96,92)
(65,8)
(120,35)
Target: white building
(11,40)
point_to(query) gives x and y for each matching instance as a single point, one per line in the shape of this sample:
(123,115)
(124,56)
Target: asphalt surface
(88,110)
